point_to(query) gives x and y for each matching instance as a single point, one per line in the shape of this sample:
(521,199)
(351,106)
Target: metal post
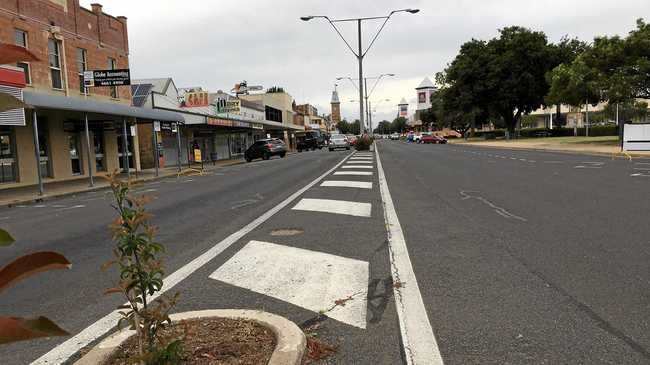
(365,86)
(125,149)
(178,143)
(370,117)
(621,128)
(360,57)
(156,153)
(37,151)
(587,119)
(88,156)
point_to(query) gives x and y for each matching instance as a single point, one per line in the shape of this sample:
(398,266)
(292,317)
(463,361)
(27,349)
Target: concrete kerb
(38,199)
(289,350)
(570,152)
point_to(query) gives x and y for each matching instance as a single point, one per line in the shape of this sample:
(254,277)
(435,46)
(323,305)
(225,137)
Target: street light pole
(360,54)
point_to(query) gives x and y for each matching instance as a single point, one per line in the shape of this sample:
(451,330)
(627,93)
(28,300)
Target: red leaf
(29,265)
(13,329)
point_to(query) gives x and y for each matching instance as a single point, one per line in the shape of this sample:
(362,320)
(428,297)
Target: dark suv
(310,141)
(265,149)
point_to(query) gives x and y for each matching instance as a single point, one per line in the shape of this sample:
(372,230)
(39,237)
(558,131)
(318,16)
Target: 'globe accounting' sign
(120,77)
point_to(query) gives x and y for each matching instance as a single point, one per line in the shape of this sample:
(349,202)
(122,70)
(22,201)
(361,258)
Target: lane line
(361,162)
(420,346)
(71,346)
(344,207)
(354,173)
(356,167)
(347,184)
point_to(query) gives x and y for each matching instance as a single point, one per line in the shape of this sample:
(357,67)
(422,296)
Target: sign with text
(196,99)
(99,78)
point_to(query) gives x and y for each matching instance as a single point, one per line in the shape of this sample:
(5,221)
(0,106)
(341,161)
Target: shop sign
(233,106)
(195,99)
(156,126)
(257,125)
(197,155)
(134,130)
(220,122)
(99,78)
(237,123)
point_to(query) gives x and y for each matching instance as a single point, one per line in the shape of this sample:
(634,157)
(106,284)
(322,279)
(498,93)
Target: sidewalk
(29,194)
(586,145)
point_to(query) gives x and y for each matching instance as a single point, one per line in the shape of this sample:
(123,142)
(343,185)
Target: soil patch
(212,341)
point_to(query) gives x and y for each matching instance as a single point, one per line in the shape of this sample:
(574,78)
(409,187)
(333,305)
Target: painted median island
(149,334)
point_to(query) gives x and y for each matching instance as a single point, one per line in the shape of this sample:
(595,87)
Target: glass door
(75,153)
(7,158)
(98,143)
(120,151)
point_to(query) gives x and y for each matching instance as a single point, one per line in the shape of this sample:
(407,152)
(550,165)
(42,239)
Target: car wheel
(347,148)
(248,159)
(331,150)
(282,155)
(266,156)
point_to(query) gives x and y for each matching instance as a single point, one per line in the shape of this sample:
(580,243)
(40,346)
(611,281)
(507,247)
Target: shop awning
(58,102)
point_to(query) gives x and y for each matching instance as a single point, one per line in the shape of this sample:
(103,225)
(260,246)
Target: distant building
(336,107)
(424,92)
(403,109)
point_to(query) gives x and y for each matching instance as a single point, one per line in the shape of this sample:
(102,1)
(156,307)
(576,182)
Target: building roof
(403,102)
(426,84)
(335,97)
(159,85)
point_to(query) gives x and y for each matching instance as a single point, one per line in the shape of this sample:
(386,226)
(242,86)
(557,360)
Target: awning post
(37,152)
(178,144)
(125,148)
(156,153)
(88,154)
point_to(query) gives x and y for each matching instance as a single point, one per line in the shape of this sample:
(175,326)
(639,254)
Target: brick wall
(101,35)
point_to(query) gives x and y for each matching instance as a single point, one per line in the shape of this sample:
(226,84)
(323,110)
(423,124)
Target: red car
(433,139)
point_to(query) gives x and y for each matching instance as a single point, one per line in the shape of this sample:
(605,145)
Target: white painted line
(335,207)
(356,167)
(72,345)
(642,168)
(361,162)
(72,207)
(418,340)
(309,279)
(347,184)
(354,173)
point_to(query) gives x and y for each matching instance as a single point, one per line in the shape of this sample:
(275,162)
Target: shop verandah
(67,139)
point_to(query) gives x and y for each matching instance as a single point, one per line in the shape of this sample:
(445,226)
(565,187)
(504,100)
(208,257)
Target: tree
(574,84)
(343,127)
(355,127)
(384,127)
(398,125)
(275,89)
(564,52)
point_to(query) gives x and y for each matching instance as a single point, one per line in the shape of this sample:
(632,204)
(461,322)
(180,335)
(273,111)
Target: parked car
(417,137)
(352,139)
(265,149)
(338,141)
(311,140)
(433,139)
(394,136)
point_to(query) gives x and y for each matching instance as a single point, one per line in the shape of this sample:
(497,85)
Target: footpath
(29,194)
(587,145)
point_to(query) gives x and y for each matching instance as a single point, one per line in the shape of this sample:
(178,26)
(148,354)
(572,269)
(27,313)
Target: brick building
(79,131)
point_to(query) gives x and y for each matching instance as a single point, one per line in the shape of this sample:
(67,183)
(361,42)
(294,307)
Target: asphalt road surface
(520,257)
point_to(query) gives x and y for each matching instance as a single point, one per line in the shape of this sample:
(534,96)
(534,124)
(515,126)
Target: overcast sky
(217,43)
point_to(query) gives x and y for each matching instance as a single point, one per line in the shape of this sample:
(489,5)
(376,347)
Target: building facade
(335,104)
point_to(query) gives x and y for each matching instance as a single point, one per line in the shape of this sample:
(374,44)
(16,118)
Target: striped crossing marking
(347,184)
(354,173)
(356,167)
(335,207)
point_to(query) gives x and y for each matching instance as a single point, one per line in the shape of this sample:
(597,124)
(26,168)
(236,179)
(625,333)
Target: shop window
(54,57)
(98,143)
(7,157)
(112,65)
(120,151)
(273,114)
(20,39)
(82,65)
(75,153)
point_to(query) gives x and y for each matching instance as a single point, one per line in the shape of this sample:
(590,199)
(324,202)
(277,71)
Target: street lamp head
(391,75)
(340,78)
(306,18)
(413,11)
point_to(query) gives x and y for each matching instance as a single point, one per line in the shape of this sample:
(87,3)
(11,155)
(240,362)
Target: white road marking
(639,175)
(72,345)
(58,206)
(354,173)
(361,162)
(347,184)
(335,207)
(642,168)
(356,167)
(553,161)
(4,218)
(72,207)
(418,340)
(309,279)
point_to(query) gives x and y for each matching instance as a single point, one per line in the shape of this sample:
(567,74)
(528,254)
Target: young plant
(13,329)
(141,275)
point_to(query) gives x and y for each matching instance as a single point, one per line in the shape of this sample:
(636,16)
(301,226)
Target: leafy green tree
(384,127)
(344,127)
(398,125)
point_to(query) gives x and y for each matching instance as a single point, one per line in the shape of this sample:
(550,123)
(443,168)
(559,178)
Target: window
(54,56)
(273,114)
(112,65)
(20,38)
(98,142)
(7,157)
(82,65)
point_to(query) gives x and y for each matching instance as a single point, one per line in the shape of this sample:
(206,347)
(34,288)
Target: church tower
(336,107)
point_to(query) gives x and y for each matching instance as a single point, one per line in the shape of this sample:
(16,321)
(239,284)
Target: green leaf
(5,238)
(13,329)
(29,265)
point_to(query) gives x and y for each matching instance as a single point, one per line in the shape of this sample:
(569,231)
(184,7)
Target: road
(520,256)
